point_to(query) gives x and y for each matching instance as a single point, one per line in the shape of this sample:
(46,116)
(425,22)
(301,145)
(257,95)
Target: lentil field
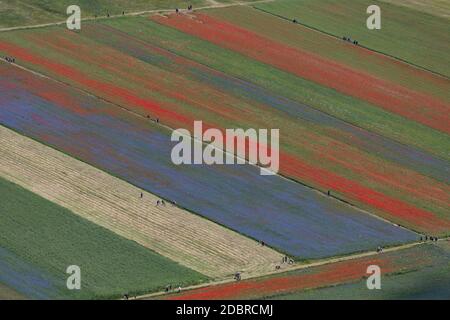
(86,169)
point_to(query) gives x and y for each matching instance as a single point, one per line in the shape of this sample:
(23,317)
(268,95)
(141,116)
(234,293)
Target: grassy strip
(418,38)
(298,36)
(28,12)
(52,238)
(439,8)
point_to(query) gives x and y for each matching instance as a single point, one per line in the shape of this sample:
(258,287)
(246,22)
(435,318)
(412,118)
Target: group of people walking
(429,238)
(189,8)
(160,202)
(170,288)
(349,39)
(10,59)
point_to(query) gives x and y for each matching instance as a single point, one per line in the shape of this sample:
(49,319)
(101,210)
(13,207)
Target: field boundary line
(395,58)
(289,269)
(289,179)
(136,13)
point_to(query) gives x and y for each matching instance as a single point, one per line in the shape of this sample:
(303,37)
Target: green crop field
(439,8)
(50,238)
(417,37)
(304,38)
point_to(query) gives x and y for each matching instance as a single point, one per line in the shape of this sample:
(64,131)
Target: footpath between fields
(294,267)
(137,13)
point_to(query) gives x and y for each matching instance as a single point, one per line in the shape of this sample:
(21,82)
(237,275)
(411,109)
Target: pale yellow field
(112,203)
(439,8)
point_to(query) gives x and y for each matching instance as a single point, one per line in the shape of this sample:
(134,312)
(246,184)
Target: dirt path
(114,204)
(291,268)
(213,4)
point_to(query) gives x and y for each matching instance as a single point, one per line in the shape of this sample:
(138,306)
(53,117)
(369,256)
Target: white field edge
(184,237)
